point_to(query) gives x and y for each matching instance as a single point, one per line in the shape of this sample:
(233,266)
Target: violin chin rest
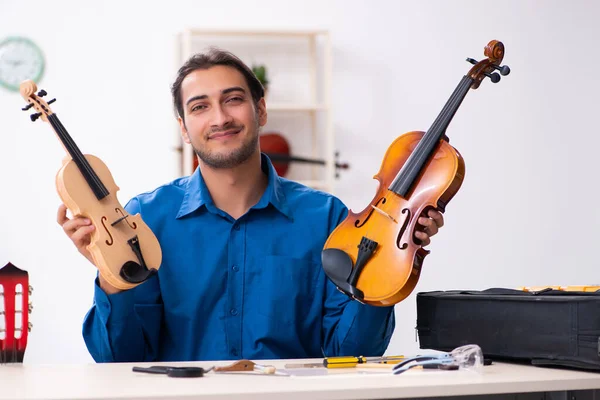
(133,272)
(337,265)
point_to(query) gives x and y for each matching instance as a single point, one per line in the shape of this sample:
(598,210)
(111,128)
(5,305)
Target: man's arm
(354,329)
(349,327)
(125,326)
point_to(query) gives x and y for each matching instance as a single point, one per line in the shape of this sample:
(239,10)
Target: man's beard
(233,159)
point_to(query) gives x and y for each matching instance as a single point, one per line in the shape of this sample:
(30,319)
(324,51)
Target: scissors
(174,372)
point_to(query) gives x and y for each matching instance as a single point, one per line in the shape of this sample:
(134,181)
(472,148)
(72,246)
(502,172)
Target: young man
(241,275)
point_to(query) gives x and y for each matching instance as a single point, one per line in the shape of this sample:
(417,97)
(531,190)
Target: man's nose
(221,117)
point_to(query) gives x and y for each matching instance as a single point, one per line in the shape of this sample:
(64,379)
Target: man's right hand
(79,230)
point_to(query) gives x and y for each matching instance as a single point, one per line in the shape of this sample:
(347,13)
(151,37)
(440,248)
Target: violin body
(124,249)
(374,256)
(109,244)
(399,260)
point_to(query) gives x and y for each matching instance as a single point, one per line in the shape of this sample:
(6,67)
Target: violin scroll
(494,51)
(27,90)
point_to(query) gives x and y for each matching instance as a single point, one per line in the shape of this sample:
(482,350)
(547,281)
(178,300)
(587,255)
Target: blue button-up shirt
(249,288)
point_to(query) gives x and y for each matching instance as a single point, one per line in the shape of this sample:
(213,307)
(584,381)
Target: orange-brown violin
(124,249)
(374,256)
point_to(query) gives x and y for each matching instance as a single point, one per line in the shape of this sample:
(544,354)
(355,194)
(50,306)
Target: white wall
(525,215)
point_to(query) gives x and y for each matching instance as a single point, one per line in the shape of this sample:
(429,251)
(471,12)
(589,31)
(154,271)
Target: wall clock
(20,59)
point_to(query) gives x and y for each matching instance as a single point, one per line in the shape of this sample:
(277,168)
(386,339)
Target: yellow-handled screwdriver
(348,362)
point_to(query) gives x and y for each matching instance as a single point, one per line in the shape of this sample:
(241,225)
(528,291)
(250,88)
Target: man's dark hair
(214,56)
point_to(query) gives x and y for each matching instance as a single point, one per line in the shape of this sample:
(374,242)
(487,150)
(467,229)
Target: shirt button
(234,352)
(236,227)
(233,311)
(235,268)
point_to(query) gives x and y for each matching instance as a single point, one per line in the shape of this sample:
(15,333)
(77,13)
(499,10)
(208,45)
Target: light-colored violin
(124,249)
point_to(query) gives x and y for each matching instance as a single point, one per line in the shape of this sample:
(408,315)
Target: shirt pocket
(285,289)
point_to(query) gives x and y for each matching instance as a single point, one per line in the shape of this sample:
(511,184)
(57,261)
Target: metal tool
(348,362)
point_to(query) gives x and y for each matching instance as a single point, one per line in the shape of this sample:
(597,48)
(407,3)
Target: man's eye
(198,107)
(236,99)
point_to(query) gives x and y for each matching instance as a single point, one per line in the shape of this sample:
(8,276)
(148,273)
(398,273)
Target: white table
(117,381)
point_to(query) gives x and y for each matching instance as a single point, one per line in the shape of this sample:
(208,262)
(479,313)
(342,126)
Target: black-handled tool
(174,372)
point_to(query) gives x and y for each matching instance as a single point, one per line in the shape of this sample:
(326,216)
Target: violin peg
(51,101)
(495,78)
(27,107)
(42,93)
(472,61)
(35,116)
(504,70)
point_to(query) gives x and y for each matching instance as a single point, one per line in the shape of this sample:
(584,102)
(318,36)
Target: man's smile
(225,134)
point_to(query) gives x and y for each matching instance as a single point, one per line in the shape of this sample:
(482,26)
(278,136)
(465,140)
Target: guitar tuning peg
(42,93)
(35,116)
(30,307)
(30,289)
(27,107)
(29,326)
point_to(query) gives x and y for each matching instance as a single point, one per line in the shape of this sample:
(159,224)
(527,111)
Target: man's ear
(184,132)
(262,112)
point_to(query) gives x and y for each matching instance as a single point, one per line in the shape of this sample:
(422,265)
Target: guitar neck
(94,182)
(15,313)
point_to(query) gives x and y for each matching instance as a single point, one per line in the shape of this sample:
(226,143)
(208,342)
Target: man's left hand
(431,224)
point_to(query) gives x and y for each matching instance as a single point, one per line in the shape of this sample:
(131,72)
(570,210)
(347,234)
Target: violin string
(431,137)
(81,157)
(445,115)
(74,150)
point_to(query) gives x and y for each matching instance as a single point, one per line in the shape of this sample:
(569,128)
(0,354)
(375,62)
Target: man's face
(221,121)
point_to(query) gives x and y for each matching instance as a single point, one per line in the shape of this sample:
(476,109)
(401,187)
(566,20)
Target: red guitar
(14,313)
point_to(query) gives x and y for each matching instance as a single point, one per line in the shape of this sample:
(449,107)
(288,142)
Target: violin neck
(412,168)
(84,166)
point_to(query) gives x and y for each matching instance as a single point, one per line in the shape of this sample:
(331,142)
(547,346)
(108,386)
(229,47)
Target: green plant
(261,73)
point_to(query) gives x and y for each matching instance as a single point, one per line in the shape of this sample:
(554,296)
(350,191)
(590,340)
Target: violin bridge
(380,211)
(119,220)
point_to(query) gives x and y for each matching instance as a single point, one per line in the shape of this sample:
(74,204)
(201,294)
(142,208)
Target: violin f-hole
(404,245)
(358,223)
(124,217)
(107,231)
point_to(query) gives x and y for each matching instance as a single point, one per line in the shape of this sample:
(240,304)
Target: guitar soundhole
(358,224)
(404,245)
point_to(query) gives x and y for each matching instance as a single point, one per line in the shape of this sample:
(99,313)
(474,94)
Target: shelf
(295,107)
(300,65)
(225,32)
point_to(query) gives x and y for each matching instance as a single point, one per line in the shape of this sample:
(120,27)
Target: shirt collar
(197,194)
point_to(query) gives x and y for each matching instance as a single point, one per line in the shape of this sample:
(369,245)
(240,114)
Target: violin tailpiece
(340,269)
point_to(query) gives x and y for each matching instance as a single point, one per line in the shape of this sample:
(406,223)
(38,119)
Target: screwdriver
(348,362)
